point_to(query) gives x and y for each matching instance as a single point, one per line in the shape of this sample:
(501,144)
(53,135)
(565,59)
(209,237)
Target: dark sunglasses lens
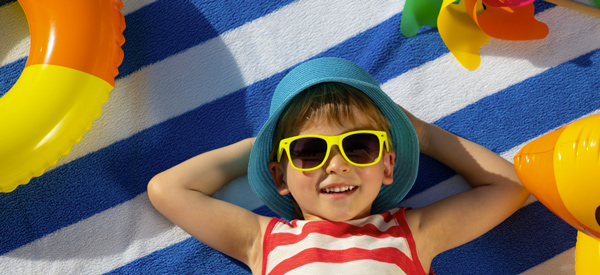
(361,148)
(308,152)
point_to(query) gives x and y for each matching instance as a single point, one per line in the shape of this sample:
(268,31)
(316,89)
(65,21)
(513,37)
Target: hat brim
(330,69)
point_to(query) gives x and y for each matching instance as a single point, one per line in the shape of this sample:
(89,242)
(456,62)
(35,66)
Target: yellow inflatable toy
(562,170)
(465,26)
(73,61)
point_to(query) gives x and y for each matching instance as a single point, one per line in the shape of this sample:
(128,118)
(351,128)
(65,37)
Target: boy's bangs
(337,103)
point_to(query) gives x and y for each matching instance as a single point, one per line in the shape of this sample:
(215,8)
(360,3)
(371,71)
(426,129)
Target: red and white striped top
(377,244)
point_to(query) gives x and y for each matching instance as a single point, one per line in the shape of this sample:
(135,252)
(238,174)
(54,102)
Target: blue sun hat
(332,69)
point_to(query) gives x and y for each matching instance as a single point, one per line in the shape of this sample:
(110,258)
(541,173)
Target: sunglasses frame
(285,143)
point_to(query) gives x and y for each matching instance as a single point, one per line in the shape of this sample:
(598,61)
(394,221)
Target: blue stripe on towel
(541,5)
(504,120)
(383,49)
(178,25)
(188,257)
(518,244)
(9,74)
(4,2)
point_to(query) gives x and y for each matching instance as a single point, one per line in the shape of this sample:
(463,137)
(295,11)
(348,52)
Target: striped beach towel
(198,75)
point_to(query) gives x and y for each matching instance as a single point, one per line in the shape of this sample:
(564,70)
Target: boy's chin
(338,216)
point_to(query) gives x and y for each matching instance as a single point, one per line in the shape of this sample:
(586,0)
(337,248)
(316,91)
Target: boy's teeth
(339,189)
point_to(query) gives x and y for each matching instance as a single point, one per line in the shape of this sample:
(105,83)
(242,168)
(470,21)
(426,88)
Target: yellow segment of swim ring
(42,116)
(73,59)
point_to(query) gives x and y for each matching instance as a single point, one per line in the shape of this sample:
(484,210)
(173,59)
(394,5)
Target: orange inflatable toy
(73,61)
(562,170)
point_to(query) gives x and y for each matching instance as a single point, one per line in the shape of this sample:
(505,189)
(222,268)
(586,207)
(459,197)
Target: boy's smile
(337,191)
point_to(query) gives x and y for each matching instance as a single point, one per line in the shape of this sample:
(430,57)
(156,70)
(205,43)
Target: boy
(337,154)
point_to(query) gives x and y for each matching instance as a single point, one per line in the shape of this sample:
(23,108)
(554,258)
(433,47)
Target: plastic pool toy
(73,60)
(466,25)
(562,170)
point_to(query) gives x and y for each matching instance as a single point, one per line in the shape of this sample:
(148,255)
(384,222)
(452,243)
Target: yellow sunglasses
(310,152)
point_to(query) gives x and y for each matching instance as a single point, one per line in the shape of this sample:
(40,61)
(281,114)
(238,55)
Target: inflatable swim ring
(73,61)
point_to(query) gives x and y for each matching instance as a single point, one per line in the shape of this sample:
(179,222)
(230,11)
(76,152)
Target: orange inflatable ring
(73,61)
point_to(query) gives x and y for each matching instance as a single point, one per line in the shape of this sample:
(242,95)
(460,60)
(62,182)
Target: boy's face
(338,191)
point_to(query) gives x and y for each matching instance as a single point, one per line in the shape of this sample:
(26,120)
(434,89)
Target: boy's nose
(336,162)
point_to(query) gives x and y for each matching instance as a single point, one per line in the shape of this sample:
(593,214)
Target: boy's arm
(182,194)
(496,194)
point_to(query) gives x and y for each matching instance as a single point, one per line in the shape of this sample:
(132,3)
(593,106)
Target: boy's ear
(278,177)
(389,160)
